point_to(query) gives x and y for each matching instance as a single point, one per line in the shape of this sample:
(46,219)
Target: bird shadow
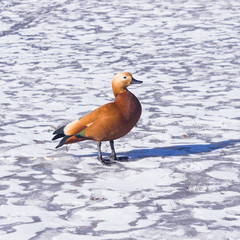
(180,150)
(177,150)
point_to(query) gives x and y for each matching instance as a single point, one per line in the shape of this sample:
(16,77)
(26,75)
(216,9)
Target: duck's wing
(72,132)
(75,131)
(75,128)
(79,126)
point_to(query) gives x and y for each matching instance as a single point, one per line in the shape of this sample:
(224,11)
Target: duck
(108,122)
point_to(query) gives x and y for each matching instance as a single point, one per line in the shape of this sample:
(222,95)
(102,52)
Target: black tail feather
(64,139)
(59,131)
(58,136)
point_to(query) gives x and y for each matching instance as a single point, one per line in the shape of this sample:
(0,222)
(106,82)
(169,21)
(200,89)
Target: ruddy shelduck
(108,122)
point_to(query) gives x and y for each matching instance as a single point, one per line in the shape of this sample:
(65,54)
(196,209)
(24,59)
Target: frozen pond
(57,61)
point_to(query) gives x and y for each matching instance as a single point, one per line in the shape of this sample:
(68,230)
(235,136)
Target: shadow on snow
(180,150)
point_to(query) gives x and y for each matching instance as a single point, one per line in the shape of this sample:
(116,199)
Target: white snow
(182,179)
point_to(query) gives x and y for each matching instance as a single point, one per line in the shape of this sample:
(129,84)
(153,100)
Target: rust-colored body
(108,122)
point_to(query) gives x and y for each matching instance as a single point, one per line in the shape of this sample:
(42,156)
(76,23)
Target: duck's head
(121,81)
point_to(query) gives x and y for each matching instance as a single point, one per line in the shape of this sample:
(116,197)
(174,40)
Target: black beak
(134,81)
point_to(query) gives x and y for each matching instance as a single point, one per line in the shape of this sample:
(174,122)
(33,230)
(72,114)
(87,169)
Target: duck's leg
(100,158)
(114,156)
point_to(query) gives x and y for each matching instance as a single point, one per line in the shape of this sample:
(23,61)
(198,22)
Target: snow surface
(183,178)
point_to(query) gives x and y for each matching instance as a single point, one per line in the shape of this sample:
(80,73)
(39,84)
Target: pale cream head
(120,82)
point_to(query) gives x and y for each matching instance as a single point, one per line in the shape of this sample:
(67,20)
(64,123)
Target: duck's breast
(130,109)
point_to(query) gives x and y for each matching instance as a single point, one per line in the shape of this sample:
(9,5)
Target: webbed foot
(106,162)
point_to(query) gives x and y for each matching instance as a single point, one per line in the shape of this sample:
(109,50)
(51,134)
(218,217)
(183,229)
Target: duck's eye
(125,77)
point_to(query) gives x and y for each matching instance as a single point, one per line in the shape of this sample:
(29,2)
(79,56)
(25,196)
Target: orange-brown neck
(117,89)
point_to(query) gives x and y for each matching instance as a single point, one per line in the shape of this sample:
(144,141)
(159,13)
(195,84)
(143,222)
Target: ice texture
(57,61)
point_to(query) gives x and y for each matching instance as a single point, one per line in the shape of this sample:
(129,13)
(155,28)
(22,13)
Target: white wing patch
(89,124)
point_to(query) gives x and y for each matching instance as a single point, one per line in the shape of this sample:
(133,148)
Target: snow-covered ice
(56,64)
